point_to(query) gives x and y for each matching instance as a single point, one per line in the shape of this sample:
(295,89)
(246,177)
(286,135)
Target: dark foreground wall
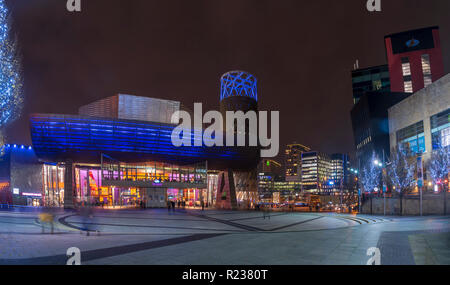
(432,205)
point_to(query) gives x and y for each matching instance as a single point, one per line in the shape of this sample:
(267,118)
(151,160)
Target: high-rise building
(340,174)
(316,173)
(370,123)
(293,161)
(371,79)
(414,59)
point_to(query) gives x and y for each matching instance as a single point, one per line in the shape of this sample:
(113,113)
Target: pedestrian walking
(47,218)
(168,206)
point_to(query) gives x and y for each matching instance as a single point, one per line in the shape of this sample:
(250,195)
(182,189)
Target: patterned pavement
(156,236)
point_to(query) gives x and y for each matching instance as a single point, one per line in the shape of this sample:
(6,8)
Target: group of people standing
(171,205)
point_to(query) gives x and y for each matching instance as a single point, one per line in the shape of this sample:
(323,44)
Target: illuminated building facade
(293,161)
(414,59)
(271,180)
(20,176)
(324,174)
(316,173)
(118,151)
(341,177)
(428,127)
(130,107)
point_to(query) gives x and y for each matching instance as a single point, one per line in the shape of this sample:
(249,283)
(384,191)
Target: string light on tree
(11,100)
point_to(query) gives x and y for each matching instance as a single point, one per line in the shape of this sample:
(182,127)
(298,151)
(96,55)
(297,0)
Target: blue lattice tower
(238,92)
(238,83)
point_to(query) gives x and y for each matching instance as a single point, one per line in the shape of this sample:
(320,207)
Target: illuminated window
(413,136)
(440,129)
(406,67)
(426,68)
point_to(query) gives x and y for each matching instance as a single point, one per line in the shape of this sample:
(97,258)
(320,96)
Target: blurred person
(172,203)
(47,217)
(87,219)
(169,204)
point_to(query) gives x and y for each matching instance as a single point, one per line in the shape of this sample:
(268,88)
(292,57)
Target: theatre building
(118,152)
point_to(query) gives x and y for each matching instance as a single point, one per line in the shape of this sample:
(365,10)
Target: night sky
(301,51)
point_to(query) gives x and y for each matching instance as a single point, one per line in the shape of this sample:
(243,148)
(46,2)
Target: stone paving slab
(221,237)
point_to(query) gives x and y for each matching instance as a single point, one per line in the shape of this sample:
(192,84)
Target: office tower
(414,59)
(371,79)
(293,161)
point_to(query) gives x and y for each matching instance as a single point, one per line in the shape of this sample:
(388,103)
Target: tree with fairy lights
(401,171)
(370,178)
(439,167)
(10,74)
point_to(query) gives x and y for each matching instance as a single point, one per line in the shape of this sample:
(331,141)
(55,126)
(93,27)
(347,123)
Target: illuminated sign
(16,191)
(32,194)
(412,40)
(412,43)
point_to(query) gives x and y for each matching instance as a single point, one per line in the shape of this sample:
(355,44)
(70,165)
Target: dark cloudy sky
(301,51)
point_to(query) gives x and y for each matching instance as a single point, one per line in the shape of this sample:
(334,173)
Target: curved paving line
(349,219)
(229,223)
(295,224)
(255,229)
(257,217)
(145,218)
(94,254)
(71,225)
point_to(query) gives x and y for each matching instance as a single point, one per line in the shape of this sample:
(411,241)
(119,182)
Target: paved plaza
(192,237)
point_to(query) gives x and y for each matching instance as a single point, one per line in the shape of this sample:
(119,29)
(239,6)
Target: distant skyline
(302,53)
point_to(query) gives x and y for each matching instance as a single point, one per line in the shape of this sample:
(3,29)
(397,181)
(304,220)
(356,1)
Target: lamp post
(383,165)
(356,179)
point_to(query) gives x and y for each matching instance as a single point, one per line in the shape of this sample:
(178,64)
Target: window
(440,129)
(406,67)
(426,68)
(413,136)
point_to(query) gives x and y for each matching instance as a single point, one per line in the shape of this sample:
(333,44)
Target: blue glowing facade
(83,139)
(238,83)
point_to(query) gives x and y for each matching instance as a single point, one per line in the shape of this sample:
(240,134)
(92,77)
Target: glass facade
(413,136)
(370,79)
(440,129)
(316,173)
(120,184)
(53,182)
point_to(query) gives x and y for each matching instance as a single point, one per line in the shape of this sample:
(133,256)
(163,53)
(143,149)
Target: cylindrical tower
(238,92)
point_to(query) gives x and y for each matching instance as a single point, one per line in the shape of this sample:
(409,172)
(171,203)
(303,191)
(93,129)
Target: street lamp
(381,164)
